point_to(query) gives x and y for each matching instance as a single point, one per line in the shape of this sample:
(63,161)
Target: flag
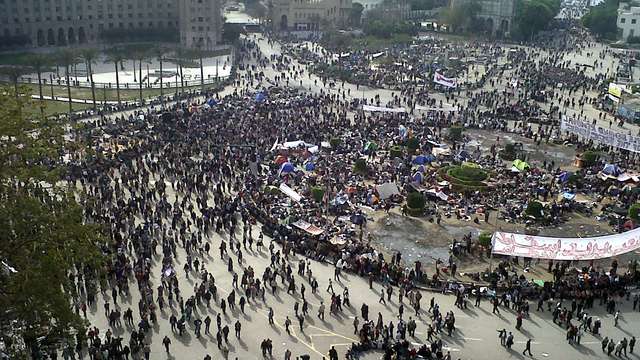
(444,81)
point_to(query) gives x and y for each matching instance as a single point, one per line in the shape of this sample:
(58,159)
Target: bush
(575,180)
(396,151)
(415,200)
(467,173)
(335,143)
(413,144)
(634,212)
(360,166)
(589,158)
(455,133)
(460,184)
(508,153)
(317,193)
(534,208)
(485,239)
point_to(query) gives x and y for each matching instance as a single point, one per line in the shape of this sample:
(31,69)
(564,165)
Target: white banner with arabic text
(602,135)
(542,247)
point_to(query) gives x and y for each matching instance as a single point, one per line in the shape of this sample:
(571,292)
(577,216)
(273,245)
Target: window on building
(633,21)
(622,20)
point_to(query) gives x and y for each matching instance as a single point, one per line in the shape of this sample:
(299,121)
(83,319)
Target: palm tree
(39,63)
(199,54)
(181,58)
(116,56)
(89,56)
(14,72)
(139,53)
(68,58)
(159,52)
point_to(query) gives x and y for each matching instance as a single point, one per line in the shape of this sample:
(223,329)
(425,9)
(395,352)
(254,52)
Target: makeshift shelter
(423,159)
(387,190)
(309,166)
(286,168)
(418,177)
(519,165)
(564,176)
(281,159)
(612,169)
(370,147)
(260,97)
(358,219)
(463,155)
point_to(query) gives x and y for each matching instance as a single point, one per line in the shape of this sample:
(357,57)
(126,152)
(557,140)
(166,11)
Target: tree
(139,53)
(460,16)
(89,56)
(532,16)
(360,166)
(67,58)
(14,72)
(231,33)
(355,14)
(43,238)
(589,158)
(116,56)
(634,212)
(602,19)
(182,58)
(159,52)
(39,63)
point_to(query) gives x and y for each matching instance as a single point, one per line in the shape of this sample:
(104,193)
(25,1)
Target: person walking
(287,323)
(502,335)
(632,344)
(527,348)
(238,327)
(166,342)
(321,311)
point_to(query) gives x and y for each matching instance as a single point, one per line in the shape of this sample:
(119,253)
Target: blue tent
(286,168)
(612,169)
(564,176)
(211,102)
(260,97)
(418,177)
(463,155)
(423,159)
(358,219)
(309,166)
(421,168)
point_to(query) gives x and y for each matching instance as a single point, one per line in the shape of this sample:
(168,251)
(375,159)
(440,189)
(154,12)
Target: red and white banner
(542,247)
(444,81)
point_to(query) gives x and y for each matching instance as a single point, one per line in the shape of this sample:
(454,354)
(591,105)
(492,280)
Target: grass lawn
(53,107)
(109,94)
(18,58)
(372,42)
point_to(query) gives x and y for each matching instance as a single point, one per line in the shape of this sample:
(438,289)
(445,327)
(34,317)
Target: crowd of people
(199,183)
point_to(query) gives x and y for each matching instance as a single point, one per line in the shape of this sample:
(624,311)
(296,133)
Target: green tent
(520,165)
(371,146)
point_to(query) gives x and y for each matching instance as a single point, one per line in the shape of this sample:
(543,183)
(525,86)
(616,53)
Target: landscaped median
(465,177)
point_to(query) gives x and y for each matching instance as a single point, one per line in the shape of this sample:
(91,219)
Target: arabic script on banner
(541,247)
(601,135)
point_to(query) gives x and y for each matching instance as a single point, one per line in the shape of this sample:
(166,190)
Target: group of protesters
(165,180)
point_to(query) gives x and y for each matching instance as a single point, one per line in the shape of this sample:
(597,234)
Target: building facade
(308,14)
(628,21)
(497,14)
(67,22)
(200,23)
